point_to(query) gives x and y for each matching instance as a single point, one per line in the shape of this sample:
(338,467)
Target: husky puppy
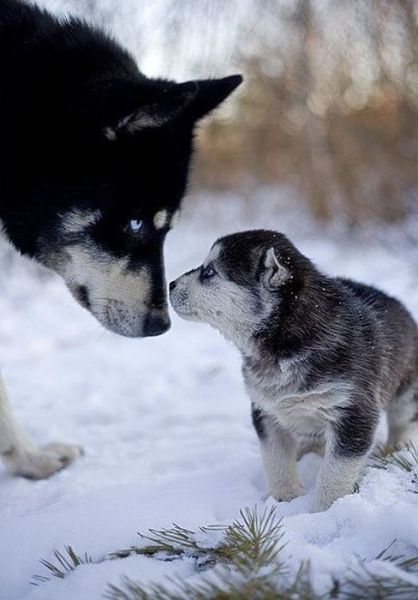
(94,164)
(324,359)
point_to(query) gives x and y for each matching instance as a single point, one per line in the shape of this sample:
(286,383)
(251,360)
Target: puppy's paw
(41,463)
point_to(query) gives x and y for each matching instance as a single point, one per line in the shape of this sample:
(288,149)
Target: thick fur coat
(94,165)
(325,359)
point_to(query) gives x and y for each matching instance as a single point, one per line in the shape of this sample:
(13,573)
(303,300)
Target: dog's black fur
(68,103)
(94,160)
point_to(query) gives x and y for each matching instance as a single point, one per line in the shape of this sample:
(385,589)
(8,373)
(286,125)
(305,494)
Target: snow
(165,422)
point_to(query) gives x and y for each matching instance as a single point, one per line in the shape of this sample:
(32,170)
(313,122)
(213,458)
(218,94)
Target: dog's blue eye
(135,225)
(208,272)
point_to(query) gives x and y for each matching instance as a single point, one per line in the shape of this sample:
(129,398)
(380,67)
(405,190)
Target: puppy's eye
(135,225)
(208,272)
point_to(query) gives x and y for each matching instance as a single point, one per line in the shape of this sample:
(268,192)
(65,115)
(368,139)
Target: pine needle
(66,562)
(248,565)
(404,458)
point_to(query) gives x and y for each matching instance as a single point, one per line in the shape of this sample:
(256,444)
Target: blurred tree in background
(330,105)
(330,101)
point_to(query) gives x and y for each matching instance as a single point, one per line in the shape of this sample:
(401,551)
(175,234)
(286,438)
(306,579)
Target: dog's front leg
(21,456)
(279,454)
(347,447)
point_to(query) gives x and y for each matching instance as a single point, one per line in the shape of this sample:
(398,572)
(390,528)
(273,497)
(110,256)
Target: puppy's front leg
(21,456)
(347,447)
(337,478)
(279,453)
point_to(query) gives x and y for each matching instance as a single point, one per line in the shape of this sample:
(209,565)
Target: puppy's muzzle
(179,297)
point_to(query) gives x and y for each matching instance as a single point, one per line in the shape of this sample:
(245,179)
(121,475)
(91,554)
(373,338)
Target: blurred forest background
(330,101)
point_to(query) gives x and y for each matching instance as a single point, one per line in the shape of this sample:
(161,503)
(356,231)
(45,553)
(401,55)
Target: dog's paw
(285,493)
(41,463)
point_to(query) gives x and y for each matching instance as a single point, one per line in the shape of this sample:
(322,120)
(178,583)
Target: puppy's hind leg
(20,456)
(403,418)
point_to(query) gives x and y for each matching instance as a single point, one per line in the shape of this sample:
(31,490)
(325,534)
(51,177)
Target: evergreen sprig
(378,586)
(246,564)
(66,562)
(404,457)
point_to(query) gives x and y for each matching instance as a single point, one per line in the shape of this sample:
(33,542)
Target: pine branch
(399,560)
(251,540)
(379,587)
(66,562)
(403,457)
(248,565)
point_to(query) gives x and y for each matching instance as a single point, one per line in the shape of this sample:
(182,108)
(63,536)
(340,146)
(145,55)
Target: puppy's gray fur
(325,360)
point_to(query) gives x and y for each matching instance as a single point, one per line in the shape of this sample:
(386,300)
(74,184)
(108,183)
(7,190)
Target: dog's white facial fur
(76,221)
(218,301)
(119,297)
(160,219)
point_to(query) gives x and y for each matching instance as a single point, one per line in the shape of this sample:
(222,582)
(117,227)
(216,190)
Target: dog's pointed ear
(171,103)
(211,92)
(274,273)
(191,99)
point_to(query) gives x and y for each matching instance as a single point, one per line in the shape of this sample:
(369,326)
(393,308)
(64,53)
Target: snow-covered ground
(165,423)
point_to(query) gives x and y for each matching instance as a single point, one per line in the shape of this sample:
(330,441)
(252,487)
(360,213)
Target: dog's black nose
(156,324)
(172,285)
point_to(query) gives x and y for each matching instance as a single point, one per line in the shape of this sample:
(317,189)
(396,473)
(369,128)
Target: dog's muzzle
(135,324)
(156,323)
(123,319)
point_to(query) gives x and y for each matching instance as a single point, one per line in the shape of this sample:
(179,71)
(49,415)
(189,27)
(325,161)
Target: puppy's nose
(172,285)
(156,324)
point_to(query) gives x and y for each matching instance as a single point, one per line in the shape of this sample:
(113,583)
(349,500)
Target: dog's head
(103,200)
(243,280)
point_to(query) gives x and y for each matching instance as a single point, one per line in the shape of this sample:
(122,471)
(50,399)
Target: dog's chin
(119,318)
(134,325)
(122,327)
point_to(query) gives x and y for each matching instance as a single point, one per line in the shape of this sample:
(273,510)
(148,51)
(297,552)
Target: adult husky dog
(94,164)
(324,359)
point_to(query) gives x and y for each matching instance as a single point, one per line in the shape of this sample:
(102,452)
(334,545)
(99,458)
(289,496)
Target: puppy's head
(244,280)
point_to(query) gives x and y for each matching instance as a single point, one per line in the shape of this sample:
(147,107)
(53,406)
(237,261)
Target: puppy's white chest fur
(304,412)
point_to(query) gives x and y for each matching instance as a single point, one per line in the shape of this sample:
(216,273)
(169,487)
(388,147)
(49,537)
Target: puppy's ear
(274,274)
